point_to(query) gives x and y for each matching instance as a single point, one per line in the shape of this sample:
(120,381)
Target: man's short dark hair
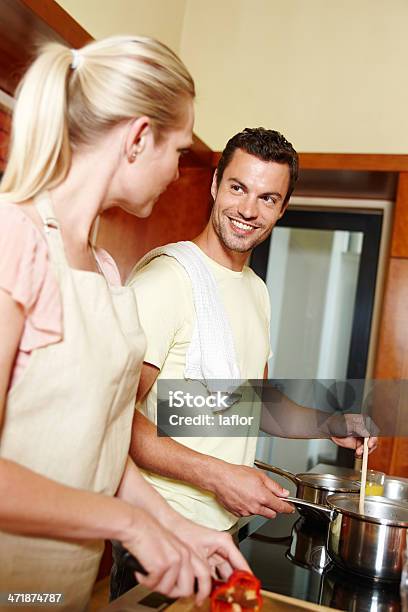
(267,145)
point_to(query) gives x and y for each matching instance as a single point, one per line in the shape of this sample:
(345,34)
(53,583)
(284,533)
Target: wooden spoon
(363,476)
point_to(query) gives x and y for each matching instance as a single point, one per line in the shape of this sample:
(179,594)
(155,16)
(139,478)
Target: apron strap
(51,227)
(43,204)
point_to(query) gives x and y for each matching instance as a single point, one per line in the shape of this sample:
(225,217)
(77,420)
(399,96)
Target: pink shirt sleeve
(26,274)
(108,266)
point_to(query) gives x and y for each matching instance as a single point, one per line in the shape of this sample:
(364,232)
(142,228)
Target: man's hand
(356,444)
(357,427)
(245,490)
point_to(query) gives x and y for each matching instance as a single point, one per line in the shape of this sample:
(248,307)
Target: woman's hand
(185,550)
(172,566)
(216,547)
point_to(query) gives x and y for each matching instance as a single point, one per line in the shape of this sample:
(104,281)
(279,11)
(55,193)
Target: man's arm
(282,417)
(240,489)
(148,377)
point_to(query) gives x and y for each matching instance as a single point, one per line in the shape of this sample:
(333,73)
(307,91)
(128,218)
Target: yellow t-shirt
(166,310)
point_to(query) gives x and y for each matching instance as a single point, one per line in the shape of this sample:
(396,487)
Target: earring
(133,156)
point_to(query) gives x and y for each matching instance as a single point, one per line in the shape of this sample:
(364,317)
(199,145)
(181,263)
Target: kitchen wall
(331,75)
(162,19)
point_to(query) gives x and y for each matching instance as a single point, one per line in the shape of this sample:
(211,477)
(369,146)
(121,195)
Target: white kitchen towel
(211,354)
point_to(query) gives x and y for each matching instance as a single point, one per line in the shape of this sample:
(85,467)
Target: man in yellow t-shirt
(212,480)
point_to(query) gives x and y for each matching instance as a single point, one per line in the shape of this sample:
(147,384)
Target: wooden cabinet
(25,22)
(180,214)
(399,246)
(392,350)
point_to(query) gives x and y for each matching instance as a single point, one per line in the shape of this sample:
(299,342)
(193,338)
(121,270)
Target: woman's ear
(138,132)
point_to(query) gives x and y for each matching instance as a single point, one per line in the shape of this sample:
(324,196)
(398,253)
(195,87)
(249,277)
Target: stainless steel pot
(396,488)
(313,487)
(371,544)
(308,546)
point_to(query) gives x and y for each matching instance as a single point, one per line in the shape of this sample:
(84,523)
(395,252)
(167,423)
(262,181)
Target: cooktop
(289,556)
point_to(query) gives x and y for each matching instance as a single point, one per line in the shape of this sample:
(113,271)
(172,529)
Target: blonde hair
(69,98)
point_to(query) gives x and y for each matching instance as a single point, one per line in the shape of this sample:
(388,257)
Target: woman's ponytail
(71,98)
(39,147)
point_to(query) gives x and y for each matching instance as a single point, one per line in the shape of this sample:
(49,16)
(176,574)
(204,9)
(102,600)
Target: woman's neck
(80,198)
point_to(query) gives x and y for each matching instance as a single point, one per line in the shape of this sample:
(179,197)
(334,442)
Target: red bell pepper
(240,592)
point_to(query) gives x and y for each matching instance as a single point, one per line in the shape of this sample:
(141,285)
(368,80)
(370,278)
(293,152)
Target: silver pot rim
(305,480)
(334,503)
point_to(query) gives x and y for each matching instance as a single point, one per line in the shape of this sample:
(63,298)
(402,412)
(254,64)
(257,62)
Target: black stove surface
(289,557)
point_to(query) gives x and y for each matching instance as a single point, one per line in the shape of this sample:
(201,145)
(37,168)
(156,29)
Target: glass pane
(312,281)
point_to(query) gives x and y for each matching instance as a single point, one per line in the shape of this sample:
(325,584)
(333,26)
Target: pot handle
(271,468)
(323,511)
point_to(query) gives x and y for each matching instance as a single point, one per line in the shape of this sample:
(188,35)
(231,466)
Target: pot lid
(328,482)
(379,510)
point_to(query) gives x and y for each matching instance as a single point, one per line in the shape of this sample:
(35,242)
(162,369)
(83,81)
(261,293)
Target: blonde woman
(93,128)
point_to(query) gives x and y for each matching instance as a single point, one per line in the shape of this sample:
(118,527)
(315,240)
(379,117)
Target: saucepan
(307,546)
(313,487)
(371,544)
(396,488)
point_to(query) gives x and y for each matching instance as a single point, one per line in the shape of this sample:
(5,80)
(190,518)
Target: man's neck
(211,245)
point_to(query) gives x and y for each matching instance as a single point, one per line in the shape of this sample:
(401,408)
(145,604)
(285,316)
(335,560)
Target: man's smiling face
(249,200)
